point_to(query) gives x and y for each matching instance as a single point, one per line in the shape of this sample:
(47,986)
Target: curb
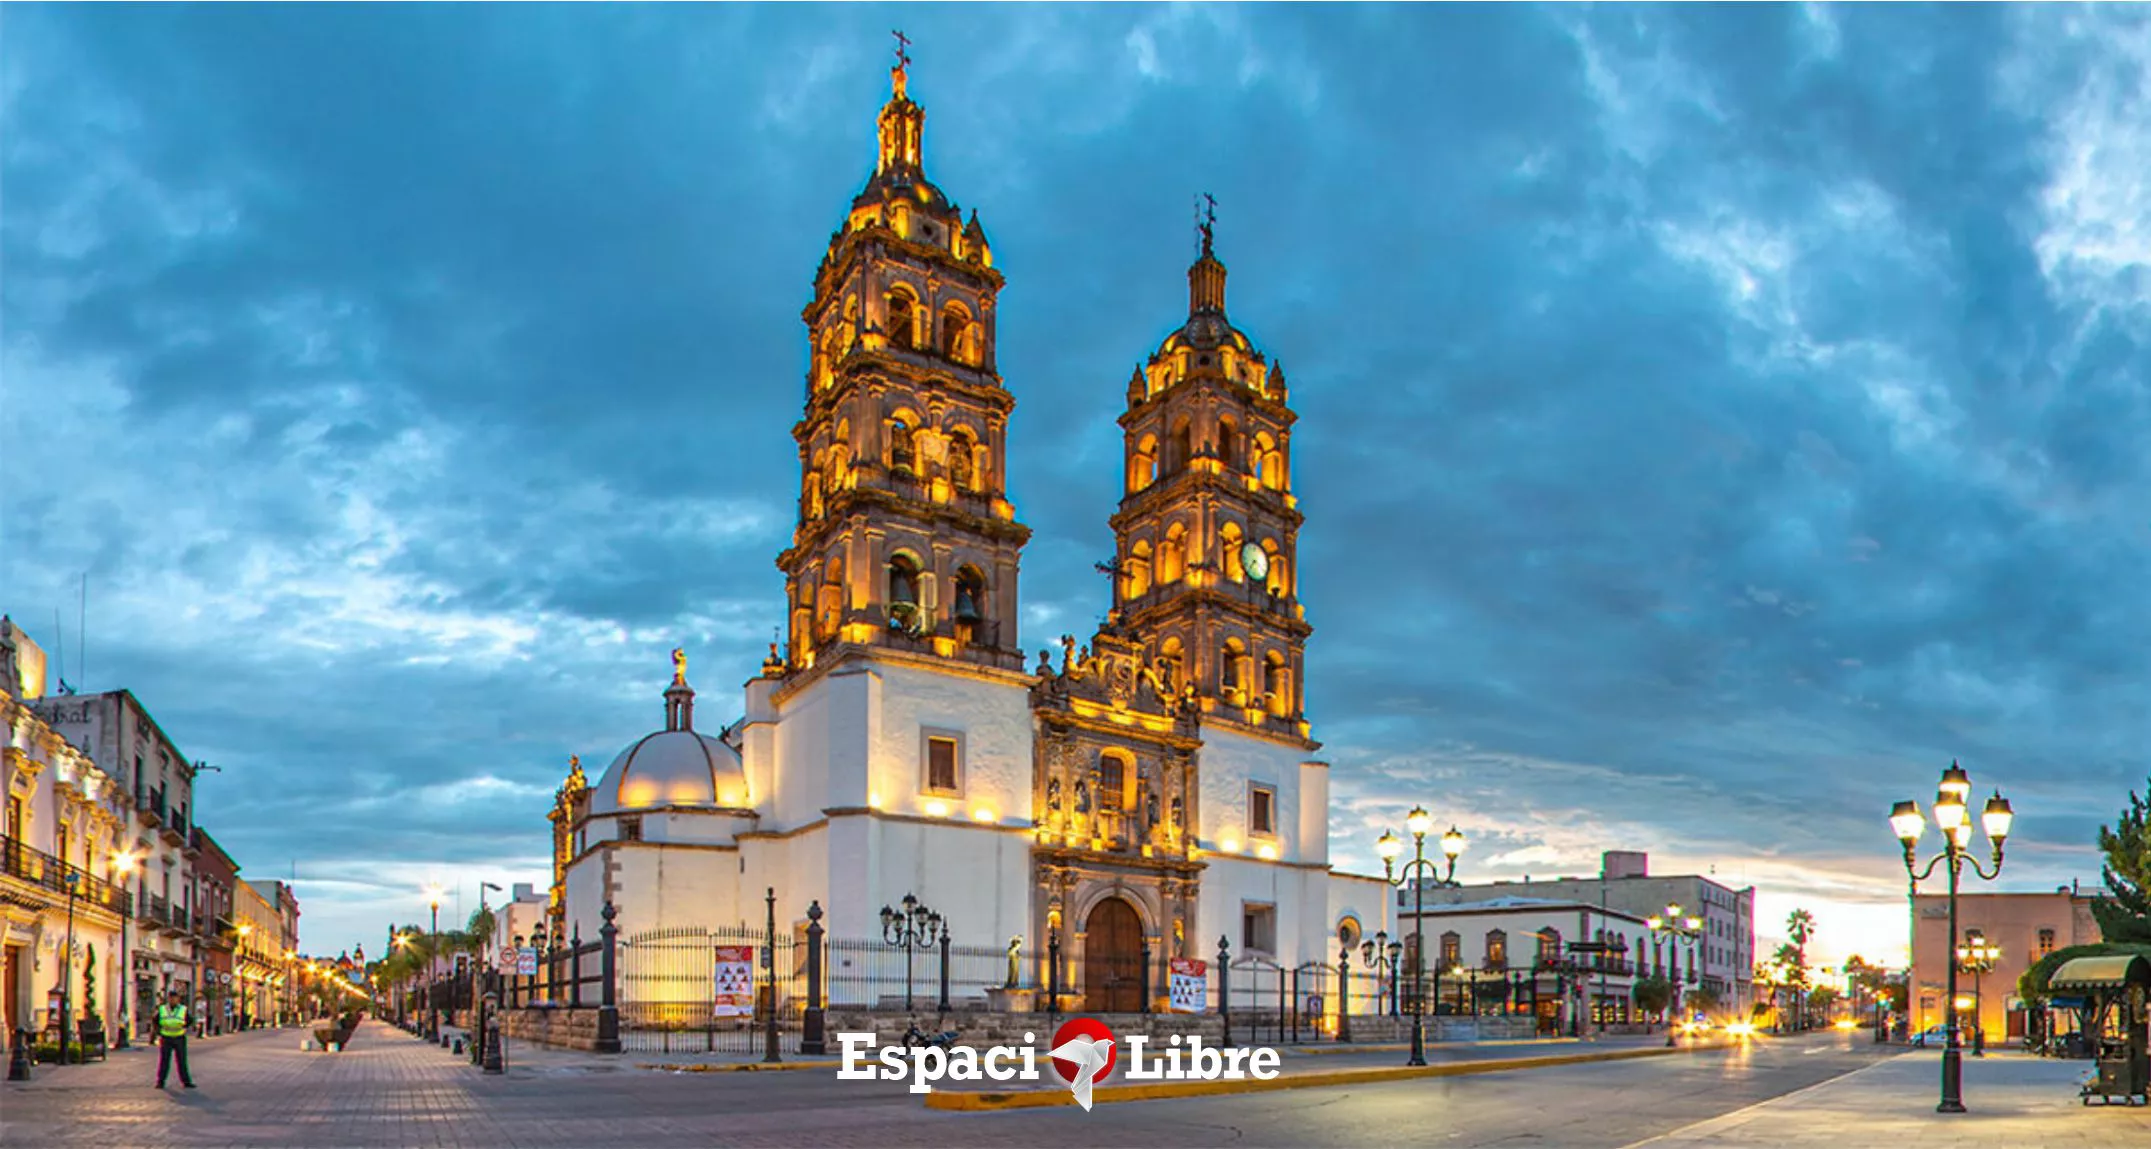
(1401,1046)
(966,1101)
(740,1067)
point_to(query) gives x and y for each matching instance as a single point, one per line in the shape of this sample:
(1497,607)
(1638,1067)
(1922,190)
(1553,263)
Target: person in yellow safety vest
(172,1022)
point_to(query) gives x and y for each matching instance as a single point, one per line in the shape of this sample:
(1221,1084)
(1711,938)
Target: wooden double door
(1113,958)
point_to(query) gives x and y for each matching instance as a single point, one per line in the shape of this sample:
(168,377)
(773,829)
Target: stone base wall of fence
(1388,1029)
(981,1027)
(563,1028)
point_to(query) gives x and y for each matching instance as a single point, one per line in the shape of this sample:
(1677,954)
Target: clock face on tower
(1255,562)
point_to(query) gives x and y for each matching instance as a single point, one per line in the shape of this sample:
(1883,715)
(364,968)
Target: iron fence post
(1053,974)
(769,970)
(811,1039)
(608,1026)
(943,1004)
(1224,985)
(575,969)
(1344,993)
(1143,986)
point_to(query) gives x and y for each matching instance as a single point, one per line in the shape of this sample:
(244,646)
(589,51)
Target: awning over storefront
(2111,972)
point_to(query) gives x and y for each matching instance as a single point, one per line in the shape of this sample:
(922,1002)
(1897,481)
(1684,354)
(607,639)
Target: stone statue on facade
(1015,962)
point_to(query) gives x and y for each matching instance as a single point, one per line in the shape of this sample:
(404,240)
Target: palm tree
(1800,926)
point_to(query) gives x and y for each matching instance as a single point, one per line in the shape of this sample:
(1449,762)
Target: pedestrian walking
(172,1022)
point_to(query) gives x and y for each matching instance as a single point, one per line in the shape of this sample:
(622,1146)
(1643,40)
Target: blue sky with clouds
(1714,419)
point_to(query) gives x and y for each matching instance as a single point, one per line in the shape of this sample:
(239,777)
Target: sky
(1713,420)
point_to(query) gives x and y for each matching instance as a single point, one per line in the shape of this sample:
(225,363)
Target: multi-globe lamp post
(1953,816)
(1675,929)
(1421,873)
(1978,955)
(433,949)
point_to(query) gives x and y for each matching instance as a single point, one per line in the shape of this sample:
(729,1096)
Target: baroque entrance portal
(1113,959)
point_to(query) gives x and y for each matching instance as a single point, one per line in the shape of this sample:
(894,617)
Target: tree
(1652,995)
(1821,999)
(2124,913)
(1702,999)
(89,979)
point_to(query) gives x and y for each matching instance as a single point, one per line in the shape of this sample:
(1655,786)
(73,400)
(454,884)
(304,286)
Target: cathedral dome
(675,766)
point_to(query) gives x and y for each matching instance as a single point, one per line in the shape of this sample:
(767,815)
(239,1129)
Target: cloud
(1713,421)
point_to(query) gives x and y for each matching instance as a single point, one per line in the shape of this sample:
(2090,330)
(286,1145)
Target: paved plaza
(390,1089)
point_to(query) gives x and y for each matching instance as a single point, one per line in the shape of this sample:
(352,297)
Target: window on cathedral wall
(1276,684)
(903,319)
(1258,927)
(956,334)
(1229,540)
(903,450)
(961,460)
(1173,554)
(1232,671)
(941,765)
(970,607)
(1112,781)
(1228,445)
(1143,464)
(1261,809)
(631,829)
(1276,579)
(1137,571)
(1171,665)
(1182,449)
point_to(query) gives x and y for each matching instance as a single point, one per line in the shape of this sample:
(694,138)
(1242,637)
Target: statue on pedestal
(1015,962)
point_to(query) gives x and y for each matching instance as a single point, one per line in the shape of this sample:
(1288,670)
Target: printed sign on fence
(526,961)
(510,957)
(735,981)
(1189,985)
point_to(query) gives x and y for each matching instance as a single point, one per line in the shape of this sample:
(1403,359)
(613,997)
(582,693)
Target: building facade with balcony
(259,968)
(1723,958)
(120,736)
(63,906)
(1571,963)
(216,933)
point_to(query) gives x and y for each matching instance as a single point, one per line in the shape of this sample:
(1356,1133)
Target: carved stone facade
(906,537)
(1208,530)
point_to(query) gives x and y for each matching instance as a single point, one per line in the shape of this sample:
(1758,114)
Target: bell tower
(906,539)
(1207,535)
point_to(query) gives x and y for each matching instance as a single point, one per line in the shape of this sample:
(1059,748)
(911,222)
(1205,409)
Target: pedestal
(1001,999)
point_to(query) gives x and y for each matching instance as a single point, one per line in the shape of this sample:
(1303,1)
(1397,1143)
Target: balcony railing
(21,861)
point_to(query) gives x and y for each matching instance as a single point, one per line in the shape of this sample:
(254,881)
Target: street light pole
(433,957)
(1952,815)
(1677,930)
(907,928)
(1389,846)
(67,964)
(123,864)
(1978,955)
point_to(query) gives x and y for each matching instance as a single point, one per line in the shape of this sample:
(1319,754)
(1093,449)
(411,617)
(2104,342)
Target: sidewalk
(2015,1101)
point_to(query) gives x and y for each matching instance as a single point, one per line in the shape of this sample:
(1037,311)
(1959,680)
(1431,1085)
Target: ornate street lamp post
(1389,846)
(433,951)
(123,863)
(1953,816)
(1382,957)
(1978,955)
(1676,930)
(913,926)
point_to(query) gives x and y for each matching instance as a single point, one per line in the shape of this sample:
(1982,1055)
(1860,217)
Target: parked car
(1932,1035)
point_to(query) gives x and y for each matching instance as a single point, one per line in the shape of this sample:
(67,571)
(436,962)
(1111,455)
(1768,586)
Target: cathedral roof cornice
(1209,386)
(1174,489)
(1176,598)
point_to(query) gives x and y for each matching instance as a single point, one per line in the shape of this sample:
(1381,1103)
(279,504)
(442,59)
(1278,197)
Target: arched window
(1173,554)
(1276,580)
(1269,461)
(1228,444)
(829,608)
(1143,464)
(1114,777)
(1183,448)
(1136,571)
(1230,541)
(1232,671)
(970,607)
(903,319)
(903,590)
(1171,665)
(903,457)
(961,471)
(956,335)
(1276,684)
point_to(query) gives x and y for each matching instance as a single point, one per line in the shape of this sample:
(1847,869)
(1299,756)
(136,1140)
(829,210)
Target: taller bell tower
(1208,529)
(906,538)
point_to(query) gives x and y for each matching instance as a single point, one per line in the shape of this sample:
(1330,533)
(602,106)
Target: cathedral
(1156,785)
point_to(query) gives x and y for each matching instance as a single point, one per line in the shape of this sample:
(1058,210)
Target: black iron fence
(570,975)
(869,973)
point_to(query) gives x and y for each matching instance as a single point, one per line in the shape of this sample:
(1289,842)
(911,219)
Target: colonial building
(216,934)
(2015,929)
(1496,954)
(117,732)
(1723,957)
(1155,785)
(63,905)
(258,953)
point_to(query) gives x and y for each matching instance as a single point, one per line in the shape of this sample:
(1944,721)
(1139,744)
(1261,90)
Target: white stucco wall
(1230,763)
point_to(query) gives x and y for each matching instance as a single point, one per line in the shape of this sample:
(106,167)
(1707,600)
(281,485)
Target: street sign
(526,961)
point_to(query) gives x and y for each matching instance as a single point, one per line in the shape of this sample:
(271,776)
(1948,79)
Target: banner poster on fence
(1189,985)
(735,981)
(526,961)
(510,957)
